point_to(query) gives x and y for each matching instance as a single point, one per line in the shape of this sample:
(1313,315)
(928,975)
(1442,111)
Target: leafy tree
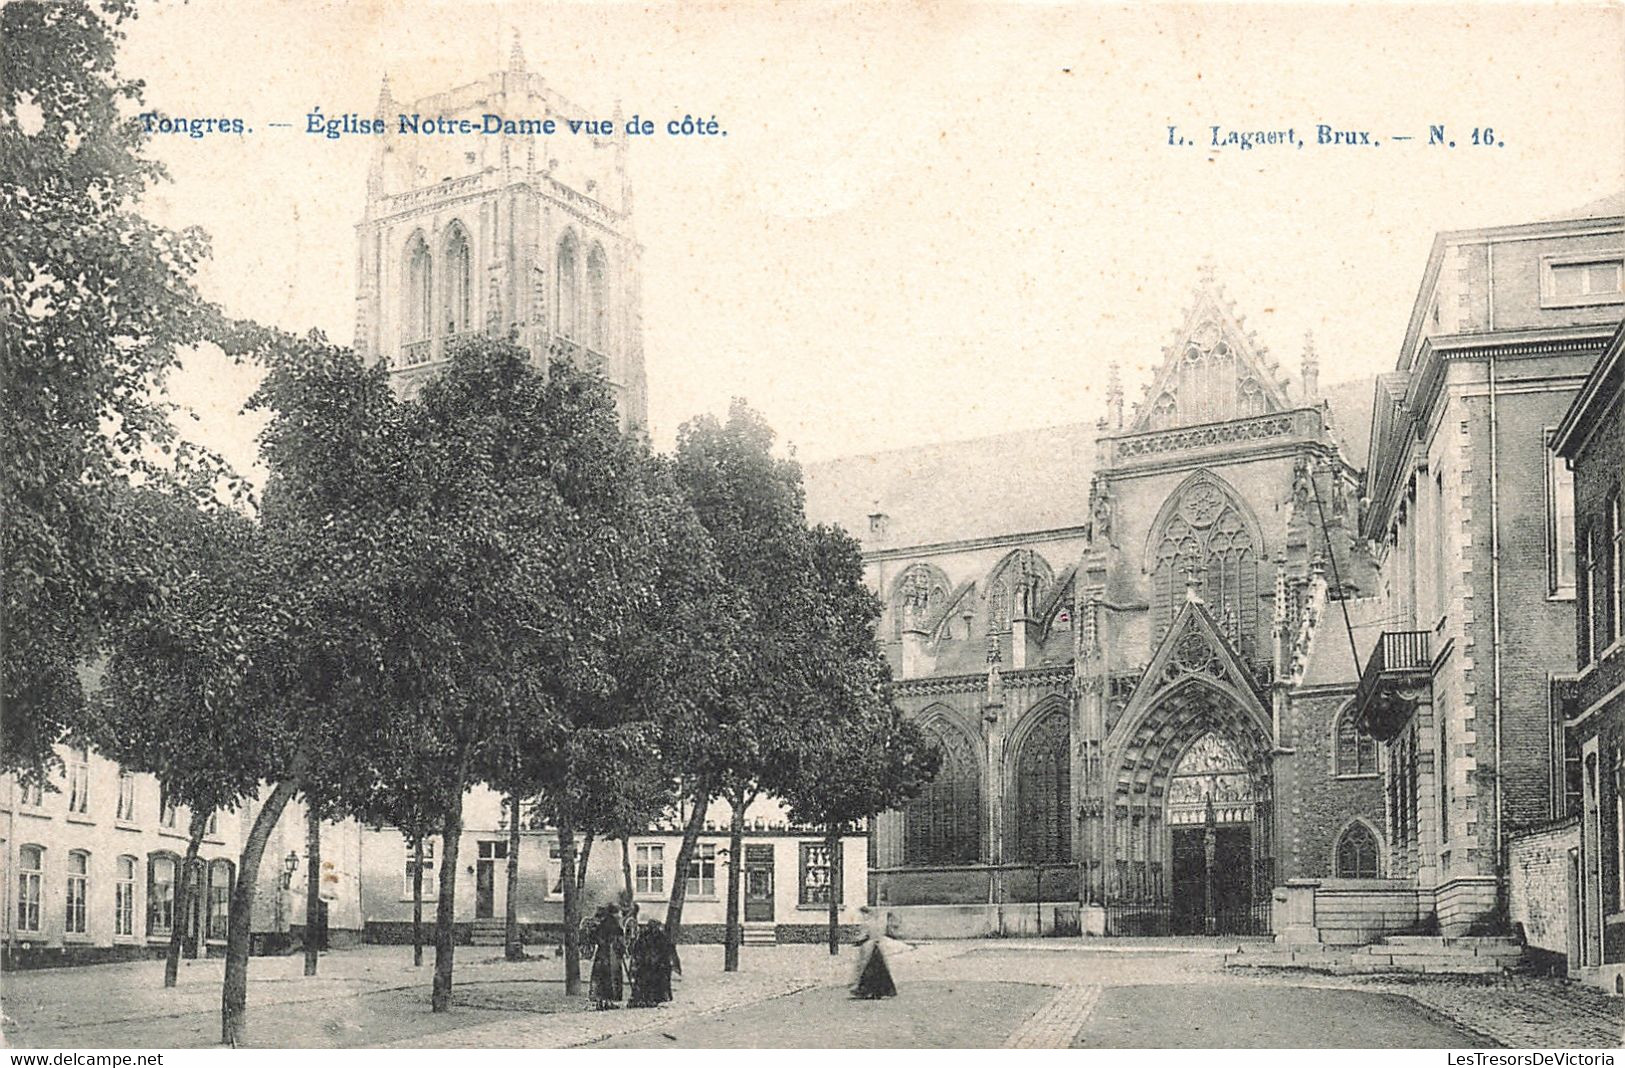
(525,501)
(858,756)
(168,699)
(330,526)
(96,303)
(751,504)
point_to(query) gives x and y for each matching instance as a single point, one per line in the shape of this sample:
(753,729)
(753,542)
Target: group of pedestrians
(624,951)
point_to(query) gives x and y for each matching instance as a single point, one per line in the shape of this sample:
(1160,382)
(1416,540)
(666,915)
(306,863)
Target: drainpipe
(1495,596)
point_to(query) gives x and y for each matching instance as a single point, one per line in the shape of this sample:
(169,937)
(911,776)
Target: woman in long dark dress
(608,959)
(873,977)
(654,957)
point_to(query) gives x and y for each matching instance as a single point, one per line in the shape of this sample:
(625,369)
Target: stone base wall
(982,921)
(1538,886)
(18,958)
(1466,905)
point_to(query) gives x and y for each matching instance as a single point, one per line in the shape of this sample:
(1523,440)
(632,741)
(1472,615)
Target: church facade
(1128,642)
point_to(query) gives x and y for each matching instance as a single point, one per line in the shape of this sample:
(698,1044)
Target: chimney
(1114,397)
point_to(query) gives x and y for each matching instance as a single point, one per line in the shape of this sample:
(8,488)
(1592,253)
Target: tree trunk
(736,867)
(581,864)
(183,898)
(572,909)
(445,913)
(685,857)
(234,991)
(417,900)
(837,877)
(626,869)
(513,949)
(313,882)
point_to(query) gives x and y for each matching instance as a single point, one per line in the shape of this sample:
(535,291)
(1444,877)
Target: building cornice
(1593,400)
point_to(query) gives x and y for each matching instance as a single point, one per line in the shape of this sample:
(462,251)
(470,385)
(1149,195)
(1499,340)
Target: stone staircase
(761,934)
(492,932)
(1394,953)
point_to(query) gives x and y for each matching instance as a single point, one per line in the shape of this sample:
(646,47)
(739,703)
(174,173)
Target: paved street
(1029,994)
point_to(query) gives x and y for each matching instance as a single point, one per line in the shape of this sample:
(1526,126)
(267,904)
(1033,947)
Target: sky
(928,222)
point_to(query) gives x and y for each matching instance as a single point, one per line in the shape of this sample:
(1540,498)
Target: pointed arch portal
(1187,841)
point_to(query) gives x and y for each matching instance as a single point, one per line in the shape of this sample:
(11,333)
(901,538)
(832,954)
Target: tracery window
(1165,412)
(1250,398)
(1357,853)
(943,824)
(1356,751)
(1208,538)
(597,313)
(1044,792)
(569,298)
(459,308)
(419,290)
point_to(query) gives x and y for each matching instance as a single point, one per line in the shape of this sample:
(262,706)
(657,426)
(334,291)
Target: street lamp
(289,863)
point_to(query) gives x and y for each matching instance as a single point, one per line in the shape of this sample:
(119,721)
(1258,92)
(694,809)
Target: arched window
(78,894)
(1206,536)
(943,825)
(1165,412)
(419,290)
(124,897)
(1044,792)
(219,903)
(160,893)
(458,314)
(569,301)
(30,873)
(1250,398)
(597,295)
(1356,750)
(1357,853)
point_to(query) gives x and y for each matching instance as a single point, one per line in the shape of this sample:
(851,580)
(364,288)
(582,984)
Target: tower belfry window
(569,299)
(459,297)
(419,290)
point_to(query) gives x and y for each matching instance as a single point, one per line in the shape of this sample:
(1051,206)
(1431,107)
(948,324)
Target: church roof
(1331,661)
(1350,404)
(1017,483)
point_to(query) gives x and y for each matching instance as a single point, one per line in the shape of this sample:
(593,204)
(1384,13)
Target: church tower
(525,236)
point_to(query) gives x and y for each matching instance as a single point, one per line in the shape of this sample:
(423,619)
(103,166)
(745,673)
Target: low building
(1591,438)
(93,858)
(786,880)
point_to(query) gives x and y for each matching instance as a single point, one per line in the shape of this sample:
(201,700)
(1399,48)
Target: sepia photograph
(805,525)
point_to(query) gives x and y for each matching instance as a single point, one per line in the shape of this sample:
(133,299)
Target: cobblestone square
(1052,993)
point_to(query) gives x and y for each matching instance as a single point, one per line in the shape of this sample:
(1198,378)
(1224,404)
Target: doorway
(758,884)
(490,893)
(1212,894)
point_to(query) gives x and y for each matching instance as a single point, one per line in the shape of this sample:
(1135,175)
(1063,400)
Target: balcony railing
(1387,694)
(417,353)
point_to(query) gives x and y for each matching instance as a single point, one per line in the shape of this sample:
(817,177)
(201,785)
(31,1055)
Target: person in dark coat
(654,958)
(608,959)
(873,978)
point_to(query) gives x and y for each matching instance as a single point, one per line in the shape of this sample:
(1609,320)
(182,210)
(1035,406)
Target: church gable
(1195,648)
(1214,372)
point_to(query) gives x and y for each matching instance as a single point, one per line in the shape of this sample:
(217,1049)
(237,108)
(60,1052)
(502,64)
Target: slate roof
(1350,404)
(1018,483)
(1008,484)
